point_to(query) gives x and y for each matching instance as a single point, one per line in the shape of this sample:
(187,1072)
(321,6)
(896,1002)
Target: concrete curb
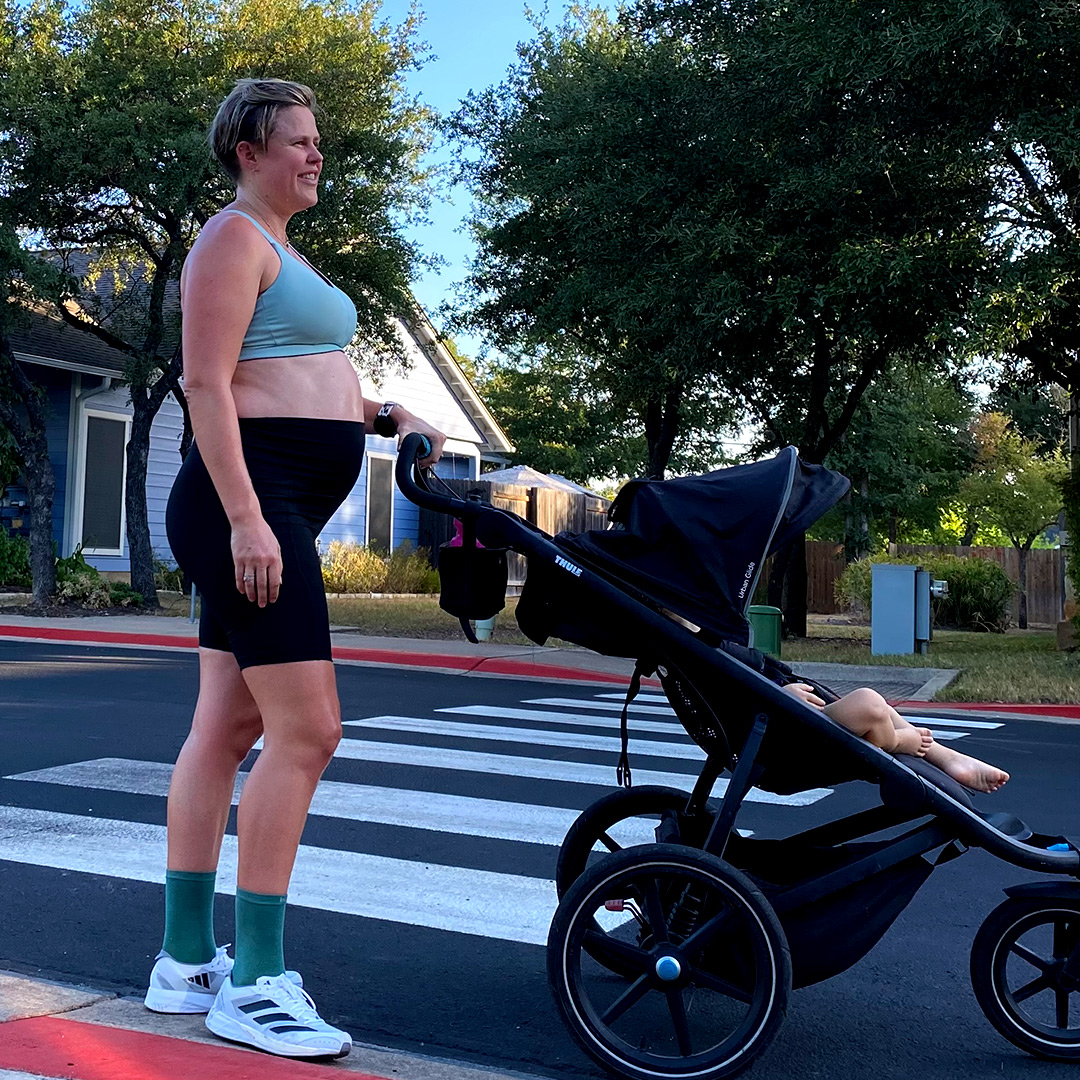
(54,1030)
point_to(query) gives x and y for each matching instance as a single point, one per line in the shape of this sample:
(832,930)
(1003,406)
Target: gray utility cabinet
(900,620)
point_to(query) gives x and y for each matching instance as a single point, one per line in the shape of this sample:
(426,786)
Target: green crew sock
(260,936)
(189,916)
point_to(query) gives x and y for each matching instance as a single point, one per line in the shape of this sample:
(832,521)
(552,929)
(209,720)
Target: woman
(279,422)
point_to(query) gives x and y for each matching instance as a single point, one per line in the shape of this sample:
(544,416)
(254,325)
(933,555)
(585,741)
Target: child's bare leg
(966,770)
(867,714)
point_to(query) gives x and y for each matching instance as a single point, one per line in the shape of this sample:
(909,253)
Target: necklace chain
(282,239)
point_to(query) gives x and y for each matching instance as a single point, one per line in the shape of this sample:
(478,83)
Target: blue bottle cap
(1060,847)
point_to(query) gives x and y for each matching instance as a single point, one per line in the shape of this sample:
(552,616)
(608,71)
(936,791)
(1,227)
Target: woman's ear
(247,154)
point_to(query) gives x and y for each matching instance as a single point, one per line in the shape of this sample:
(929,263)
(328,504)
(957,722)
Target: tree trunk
(23,396)
(893,527)
(140,549)
(775,593)
(661,427)
(1023,554)
(41,486)
(795,608)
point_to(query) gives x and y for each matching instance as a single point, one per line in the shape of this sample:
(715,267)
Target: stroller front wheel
(1019,977)
(667,962)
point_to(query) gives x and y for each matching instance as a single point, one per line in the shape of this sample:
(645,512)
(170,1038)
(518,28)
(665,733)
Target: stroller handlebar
(412,482)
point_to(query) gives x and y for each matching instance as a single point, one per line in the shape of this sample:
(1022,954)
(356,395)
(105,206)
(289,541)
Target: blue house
(89,422)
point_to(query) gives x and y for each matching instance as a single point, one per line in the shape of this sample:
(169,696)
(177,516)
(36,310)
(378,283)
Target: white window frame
(80,479)
(367,497)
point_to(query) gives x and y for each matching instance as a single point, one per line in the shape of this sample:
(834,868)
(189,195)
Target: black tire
(729,952)
(1020,938)
(593,824)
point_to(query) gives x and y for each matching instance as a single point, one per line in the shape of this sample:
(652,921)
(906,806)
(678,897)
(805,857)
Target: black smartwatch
(383,424)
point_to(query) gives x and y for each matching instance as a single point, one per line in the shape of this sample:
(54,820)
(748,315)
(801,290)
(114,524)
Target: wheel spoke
(605,945)
(655,910)
(1026,954)
(678,1018)
(1062,1010)
(713,982)
(701,937)
(1066,935)
(1032,988)
(630,996)
(610,844)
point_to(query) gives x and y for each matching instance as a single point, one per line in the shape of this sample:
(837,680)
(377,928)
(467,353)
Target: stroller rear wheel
(668,962)
(1018,973)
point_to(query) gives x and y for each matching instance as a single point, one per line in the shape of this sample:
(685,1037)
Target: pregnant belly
(322,385)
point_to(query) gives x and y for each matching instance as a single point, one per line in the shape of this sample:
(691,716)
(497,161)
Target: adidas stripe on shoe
(186,988)
(275,1015)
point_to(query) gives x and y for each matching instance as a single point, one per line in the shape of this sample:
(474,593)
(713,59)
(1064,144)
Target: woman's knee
(312,737)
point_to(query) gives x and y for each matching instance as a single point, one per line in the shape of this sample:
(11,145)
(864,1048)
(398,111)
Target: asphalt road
(418,920)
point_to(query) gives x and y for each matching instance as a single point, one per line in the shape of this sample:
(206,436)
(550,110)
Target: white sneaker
(275,1015)
(186,988)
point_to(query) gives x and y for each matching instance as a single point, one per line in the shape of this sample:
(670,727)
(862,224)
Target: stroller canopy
(696,544)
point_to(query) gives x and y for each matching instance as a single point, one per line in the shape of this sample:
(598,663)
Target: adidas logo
(202,979)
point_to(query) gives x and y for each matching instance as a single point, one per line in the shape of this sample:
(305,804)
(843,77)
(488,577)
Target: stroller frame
(700,854)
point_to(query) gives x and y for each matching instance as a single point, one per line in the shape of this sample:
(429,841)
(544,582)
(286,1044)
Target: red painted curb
(75,1050)
(390,657)
(1069,711)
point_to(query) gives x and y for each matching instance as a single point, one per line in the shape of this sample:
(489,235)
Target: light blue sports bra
(302,312)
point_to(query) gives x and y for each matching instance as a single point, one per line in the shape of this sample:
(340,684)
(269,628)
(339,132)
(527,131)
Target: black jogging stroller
(676,958)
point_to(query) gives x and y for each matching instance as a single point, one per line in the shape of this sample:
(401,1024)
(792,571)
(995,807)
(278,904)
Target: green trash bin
(766,623)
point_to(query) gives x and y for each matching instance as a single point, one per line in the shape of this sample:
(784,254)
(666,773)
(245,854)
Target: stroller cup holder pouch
(676,958)
(472,579)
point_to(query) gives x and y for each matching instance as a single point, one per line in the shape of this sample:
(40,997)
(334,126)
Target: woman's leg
(302,727)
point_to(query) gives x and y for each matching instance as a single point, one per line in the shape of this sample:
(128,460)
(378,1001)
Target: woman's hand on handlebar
(408,423)
(257,561)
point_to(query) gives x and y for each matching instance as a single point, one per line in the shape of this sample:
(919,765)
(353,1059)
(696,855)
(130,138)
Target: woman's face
(286,173)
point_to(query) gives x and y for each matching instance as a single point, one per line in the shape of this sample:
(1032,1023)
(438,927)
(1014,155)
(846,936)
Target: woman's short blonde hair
(249,114)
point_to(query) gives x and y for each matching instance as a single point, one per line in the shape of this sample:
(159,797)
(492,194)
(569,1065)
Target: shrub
(14,560)
(168,578)
(409,571)
(84,589)
(121,594)
(980,592)
(74,566)
(353,568)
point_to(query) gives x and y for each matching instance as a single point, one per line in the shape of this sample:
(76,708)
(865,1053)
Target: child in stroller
(867,714)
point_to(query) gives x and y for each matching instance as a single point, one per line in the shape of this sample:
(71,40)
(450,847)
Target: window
(103,484)
(380,502)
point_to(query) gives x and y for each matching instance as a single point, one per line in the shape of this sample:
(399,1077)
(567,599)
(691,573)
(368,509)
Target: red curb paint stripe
(389,657)
(97,637)
(76,1050)
(1069,711)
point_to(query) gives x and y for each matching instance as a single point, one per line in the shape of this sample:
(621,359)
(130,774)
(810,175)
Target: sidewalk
(50,1030)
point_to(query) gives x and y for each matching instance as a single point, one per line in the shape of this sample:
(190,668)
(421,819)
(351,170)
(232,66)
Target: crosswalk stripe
(684,750)
(549,716)
(468,901)
(979,725)
(574,772)
(428,810)
(644,698)
(575,703)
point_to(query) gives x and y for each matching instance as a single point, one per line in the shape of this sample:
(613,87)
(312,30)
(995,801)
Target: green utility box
(766,624)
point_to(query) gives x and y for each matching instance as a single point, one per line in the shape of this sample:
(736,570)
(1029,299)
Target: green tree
(906,453)
(108,103)
(1014,489)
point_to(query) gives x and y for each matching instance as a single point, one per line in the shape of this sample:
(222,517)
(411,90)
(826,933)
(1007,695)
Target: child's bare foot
(973,773)
(913,740)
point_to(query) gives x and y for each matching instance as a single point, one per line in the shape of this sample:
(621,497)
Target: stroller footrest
(1008,824)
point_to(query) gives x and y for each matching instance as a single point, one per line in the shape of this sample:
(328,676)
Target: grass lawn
(419,617)
(1022,666)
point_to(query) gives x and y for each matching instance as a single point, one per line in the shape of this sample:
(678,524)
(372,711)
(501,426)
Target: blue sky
(472,44)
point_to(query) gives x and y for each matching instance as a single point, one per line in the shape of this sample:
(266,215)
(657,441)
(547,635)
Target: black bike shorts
(302,470)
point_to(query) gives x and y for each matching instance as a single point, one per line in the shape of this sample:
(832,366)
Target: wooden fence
(825,563)
(551,510)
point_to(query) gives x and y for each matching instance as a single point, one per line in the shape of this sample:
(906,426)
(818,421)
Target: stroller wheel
(624,818)
(1017,970)
(706,959)
(620,820)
